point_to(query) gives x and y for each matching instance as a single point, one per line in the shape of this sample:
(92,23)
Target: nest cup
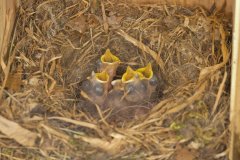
(57,46)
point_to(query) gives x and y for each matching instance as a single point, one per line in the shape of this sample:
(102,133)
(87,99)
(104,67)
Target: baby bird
(134,88)
(95,88)
(130,90)
(127,96)
(109,63)
(148,78)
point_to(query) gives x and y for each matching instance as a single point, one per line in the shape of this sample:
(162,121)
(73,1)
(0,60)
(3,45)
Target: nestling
(96,87)
(148,78)
(109,63)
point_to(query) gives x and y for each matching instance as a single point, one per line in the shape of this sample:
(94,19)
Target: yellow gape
(134,88)
(108,57)
(129,75)
(149,79)
(146,72)
(109,63)
(95,88)
(102,76)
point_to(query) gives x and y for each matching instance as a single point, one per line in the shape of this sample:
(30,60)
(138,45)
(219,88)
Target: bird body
(123,96)
(109,63)
(96,87)
(148,78)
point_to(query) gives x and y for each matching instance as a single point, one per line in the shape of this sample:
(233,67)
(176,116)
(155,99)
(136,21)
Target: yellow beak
(146,72)
(102,77)
(131,75)
(108,57)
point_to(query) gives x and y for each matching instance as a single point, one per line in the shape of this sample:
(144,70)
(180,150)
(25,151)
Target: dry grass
(56,46)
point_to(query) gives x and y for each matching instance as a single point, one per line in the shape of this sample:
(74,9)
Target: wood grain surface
(7,18)
(225,5)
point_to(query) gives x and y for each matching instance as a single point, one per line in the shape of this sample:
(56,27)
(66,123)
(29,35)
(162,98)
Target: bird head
(109,63)
(148,75)
(134,88)
(109,58)
(95,88)
(146,72)
(129,76)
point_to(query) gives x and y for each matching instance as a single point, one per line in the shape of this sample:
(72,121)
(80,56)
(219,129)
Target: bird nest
(56,46)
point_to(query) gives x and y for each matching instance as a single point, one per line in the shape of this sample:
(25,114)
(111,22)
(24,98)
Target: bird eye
(98,89)
(153,81)
(98,63)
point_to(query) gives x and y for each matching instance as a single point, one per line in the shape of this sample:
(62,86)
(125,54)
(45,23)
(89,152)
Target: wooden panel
(7,17)
(235,87)
(225,5)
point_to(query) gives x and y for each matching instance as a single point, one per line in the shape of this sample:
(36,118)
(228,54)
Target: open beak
(137,84)
(149,78)
(129,76)
(102,77)
(108,57)
(109,63)
(131,82)
(146,72)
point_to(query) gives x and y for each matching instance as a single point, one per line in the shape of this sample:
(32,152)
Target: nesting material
(56,46)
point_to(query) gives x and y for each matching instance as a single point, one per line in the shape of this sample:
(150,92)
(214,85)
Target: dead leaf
(184,154)
(14,81)
(112,147)
(93,20)
(18,133)
(78,24)
(34,81)
(114,20)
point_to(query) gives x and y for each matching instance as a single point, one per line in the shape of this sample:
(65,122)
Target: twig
(219,94)
(9,156)
(105,24)
(80,123)
(83,94)
(197,95)
(143,47)
(56,133)
(101,115)
(13,98)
